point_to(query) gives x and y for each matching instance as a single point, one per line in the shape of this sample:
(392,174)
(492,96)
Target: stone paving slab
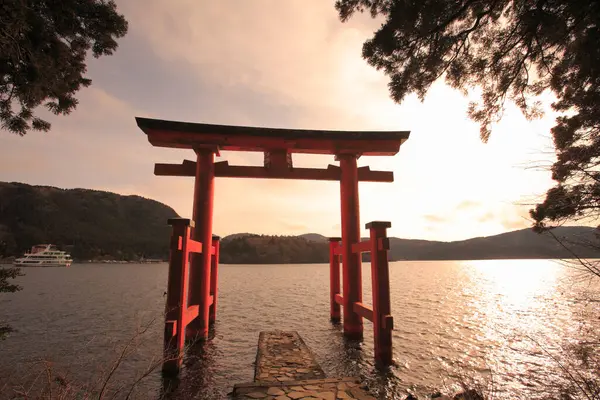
(287,370)
(283,356)
(312,389)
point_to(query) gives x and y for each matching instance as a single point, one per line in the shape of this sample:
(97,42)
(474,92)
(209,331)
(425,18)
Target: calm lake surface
(503,323)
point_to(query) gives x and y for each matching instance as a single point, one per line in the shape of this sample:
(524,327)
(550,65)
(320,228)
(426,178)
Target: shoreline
(9,261)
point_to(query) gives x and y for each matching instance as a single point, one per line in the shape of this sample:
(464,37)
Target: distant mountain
(98,225)
(91,224)
(511,245)
(521,244)
(314,237)
(266,249)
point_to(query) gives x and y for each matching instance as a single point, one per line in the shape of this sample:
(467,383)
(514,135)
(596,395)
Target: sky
(283,64)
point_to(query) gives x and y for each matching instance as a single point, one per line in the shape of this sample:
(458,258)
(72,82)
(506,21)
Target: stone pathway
(313,389)
(283,356)
(286,369)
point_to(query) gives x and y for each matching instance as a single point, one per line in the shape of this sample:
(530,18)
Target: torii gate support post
(177,313)
(334,278)
(351,261)
(383,322)
(176,296)
(199,292)
(214,279)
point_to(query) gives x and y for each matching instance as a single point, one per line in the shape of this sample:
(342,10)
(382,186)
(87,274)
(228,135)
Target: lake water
(506,324)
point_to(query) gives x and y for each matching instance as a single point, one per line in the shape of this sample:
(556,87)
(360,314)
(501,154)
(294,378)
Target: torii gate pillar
(199,288)
(351,261)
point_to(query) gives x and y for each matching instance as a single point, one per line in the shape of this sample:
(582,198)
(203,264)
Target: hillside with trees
(97,225)
(91,224)
(265,249)
(521,244)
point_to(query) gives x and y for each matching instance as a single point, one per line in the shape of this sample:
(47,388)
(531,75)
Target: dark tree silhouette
(512,50)
(43,49)
(6,274)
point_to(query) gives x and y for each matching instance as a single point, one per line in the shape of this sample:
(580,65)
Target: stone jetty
(287,370)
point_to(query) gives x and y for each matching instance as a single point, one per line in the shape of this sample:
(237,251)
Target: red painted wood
(351,262)
(171,328)
(175,275)
(383,243)
(203,215)
(183,294)
(363,310)
(190,314)
(229,132)
(362,247)
(334,278)
(224,170)
(177,293)
(339,299)
(387,322)
(214,280)
(189,140)
(194,247)
(380,278)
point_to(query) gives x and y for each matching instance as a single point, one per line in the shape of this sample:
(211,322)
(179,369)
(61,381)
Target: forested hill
(521,244)
(264,249)
(96,225)
(90,224)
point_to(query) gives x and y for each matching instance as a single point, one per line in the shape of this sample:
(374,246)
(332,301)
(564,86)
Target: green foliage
(5,275)
(7,287)
(43,49)
(262,249)
(511,49)
(90,224)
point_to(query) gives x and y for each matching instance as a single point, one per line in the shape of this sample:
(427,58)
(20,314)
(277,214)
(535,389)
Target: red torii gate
(192,302)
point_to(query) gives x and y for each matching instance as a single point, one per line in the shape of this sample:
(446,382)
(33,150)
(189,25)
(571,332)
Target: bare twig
(121,357)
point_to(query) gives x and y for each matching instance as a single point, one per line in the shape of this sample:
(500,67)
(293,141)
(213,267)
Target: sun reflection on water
(517,313)
(517,285)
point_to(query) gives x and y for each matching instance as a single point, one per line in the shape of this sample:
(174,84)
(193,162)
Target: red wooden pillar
(202,214)
(177,287)
(214,280)
(334,278)
(380,278)
(351,262)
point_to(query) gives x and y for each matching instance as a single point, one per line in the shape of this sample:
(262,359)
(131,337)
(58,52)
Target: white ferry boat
(44,255)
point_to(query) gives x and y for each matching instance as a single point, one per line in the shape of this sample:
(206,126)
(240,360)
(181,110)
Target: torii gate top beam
(187,135)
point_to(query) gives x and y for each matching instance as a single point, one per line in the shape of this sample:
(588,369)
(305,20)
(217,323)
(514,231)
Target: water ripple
(453,320)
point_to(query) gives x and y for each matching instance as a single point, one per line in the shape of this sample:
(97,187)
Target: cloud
(515,223)
(489,216)
(467,205)
(294,227)
(295,59)
(435,219)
